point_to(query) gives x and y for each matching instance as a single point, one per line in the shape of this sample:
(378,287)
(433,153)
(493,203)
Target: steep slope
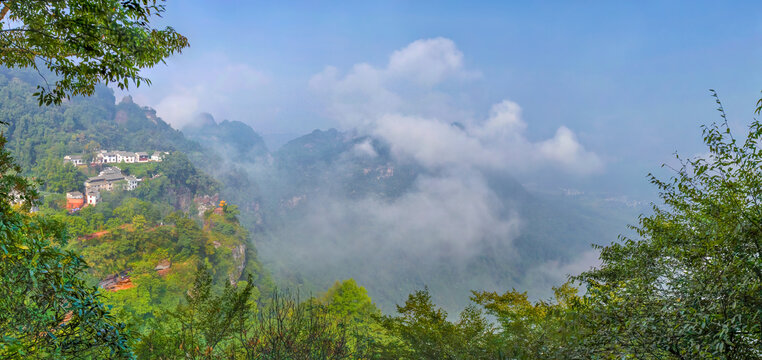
(145,260)
(128,231)
(81,125)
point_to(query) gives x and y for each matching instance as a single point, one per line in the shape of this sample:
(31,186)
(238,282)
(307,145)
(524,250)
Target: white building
(125,156)
(93,197)
(74,159)
(118,156)
(157,156)
(108,178)
(132,183)
(106,157)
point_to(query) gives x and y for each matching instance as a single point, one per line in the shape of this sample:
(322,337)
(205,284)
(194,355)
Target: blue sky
(629,80)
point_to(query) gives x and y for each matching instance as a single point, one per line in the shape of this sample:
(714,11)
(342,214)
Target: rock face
(239,259)
(206,202)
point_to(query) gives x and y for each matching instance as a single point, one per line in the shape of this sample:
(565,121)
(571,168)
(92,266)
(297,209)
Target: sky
(598,93)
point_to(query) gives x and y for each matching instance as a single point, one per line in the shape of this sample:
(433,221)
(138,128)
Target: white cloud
(365,149)
(407,84)
(357,97)
(432,143)
(211,83)
(403,104)
(177,109)
(497,143)
(566,151)
(427,62)
(447,216)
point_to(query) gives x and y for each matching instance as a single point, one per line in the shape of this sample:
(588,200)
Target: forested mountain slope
(331,205)
(172,219)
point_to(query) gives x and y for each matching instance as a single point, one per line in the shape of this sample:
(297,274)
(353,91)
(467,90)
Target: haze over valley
(391,180)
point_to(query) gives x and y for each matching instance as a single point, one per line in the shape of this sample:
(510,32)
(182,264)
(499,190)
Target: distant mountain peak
(202,120)
(233,135)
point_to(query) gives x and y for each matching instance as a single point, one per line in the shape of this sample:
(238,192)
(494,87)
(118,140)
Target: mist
(416,191)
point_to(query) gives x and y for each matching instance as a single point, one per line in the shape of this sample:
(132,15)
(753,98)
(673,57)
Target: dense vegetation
(46,310)
(85,44)
(686,287)
(82,125)
(188,284)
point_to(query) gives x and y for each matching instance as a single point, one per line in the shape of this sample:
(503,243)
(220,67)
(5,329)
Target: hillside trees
(59,177)
(545,329)
(46,310)
(180,171)
(691,286)
(422,331)
(84,42)
(227,324)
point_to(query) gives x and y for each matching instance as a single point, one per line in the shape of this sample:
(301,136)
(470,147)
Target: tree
(225,323)
(350,304)
(539,330)
(346,299)
(423,332)
(84,42)
(691,285)
(201,327)
(59,177)
(46,309)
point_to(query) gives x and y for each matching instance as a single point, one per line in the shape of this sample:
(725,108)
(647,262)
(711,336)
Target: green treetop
(84,42)
(691,286)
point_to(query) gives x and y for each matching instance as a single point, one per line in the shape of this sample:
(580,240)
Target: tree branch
(5,10)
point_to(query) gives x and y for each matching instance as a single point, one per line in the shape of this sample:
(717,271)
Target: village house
(93,197)
(74,200)
(125,157)
(157,156)
(74,159)
(132,183)
(108,178)
(105,157)
(17,200)
(118,156)
(118,281)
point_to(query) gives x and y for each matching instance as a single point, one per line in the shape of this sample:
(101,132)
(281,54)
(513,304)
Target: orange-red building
(74,200)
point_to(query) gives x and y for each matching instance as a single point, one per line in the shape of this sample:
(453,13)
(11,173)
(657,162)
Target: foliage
(85,43)
(691,286)
(201,327)
(181,171)
(58,176)
(349,303)
(226,324)
(346,299)
(539,330)
(80,126)
(423,332)
(286,329)
(47,310)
